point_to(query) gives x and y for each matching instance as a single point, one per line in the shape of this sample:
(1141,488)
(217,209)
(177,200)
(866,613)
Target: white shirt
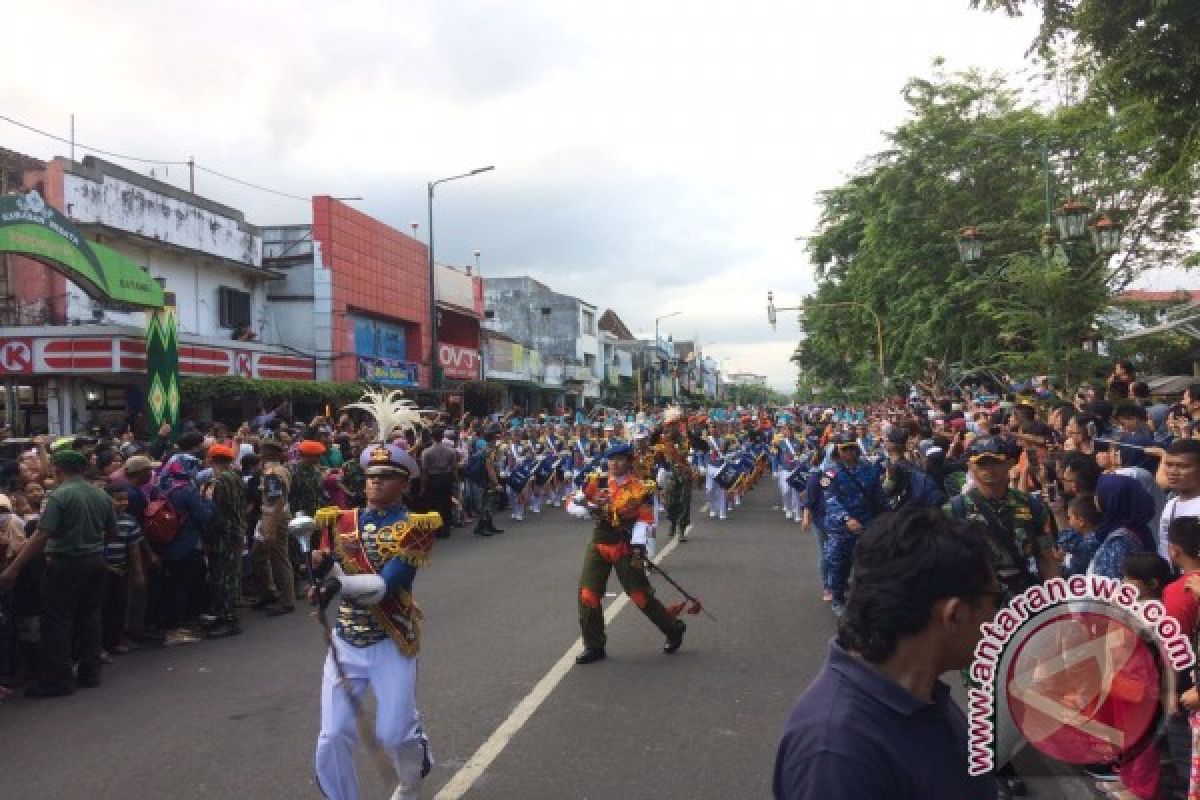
(1175,507)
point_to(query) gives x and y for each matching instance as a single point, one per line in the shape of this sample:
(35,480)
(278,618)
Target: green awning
(31,228)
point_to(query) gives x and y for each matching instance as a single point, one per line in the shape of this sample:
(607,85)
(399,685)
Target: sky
(650,157)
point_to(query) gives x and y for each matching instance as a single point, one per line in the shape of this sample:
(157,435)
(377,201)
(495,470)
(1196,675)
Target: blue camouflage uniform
(848,494)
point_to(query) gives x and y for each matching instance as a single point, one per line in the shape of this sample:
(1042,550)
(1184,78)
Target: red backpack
(161,523)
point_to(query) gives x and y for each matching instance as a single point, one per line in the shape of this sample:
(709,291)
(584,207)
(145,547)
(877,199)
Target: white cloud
(650,157)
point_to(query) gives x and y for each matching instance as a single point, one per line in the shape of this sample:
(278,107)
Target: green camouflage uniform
(223,542)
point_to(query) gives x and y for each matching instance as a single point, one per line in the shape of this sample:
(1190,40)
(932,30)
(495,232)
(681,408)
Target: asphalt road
(237,718)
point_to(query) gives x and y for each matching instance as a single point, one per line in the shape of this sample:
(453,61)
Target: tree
(1138,55)
(974,153)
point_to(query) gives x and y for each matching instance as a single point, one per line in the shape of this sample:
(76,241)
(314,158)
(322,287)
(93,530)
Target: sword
(695,605)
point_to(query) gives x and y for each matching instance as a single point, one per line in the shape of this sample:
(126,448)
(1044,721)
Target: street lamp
(970,245)
(772,310)
(1071,218)
(435,377)
(656,371)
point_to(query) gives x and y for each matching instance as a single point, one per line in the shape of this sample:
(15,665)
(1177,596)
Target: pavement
(508,713)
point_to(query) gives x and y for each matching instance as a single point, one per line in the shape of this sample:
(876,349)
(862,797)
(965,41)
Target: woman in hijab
(1127,510)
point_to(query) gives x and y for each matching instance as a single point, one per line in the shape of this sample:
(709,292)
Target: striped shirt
(116,549)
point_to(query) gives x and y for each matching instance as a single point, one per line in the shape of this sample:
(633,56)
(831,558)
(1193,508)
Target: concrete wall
(195,282)
(97,192)
(173,234)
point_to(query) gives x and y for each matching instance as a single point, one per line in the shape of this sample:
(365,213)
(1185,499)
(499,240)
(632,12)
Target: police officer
(905,483)
(853,495)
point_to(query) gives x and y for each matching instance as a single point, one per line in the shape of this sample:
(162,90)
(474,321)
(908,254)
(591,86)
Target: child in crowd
(122,554)
(1076,543)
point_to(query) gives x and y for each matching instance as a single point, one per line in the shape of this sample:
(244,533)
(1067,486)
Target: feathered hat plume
(391,410)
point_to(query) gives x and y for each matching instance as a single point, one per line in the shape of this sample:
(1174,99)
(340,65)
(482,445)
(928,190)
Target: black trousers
(439,495)
(72,597)
(178,592)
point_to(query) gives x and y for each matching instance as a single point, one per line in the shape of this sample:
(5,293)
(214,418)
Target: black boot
(675,638)
(481,529)
(590,654)
(223,629)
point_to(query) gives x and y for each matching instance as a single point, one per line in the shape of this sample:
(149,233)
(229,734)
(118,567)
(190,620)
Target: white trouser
(791,501)
(781,479)
(516,502)
(392,677)
(716,501)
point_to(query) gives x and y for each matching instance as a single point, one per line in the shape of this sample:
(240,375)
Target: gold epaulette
(326,516)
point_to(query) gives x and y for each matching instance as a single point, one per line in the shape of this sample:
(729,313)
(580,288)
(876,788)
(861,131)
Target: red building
(380,298)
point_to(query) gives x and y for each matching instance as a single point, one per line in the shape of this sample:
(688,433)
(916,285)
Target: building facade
(562,330)
(72,362)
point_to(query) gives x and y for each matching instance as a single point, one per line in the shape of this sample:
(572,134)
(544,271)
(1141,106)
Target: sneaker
(180,637)
(280,611)
(105,658)
(722,517)
(41,690)
(123,648)
(712,515)
(837,608)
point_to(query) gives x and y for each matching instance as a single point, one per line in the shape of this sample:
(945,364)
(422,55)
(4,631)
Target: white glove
(577,508)
(363,589)
(640,531)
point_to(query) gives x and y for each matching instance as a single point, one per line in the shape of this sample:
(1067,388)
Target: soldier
(307,491)
(853,496)
(621,505)
(224,538)
(1021,530)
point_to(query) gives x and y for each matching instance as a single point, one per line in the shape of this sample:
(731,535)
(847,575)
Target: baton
(650,565)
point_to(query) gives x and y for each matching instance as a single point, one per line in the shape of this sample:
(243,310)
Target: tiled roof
(1157,297)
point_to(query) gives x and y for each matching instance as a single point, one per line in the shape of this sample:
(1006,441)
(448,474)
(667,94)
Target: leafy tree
(974,153)
(1140,56)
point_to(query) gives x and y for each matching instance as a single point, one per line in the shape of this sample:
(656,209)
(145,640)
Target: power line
(140,160)
(251,185)
(88,147)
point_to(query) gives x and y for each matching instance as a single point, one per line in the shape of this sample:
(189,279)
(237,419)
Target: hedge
(228,388)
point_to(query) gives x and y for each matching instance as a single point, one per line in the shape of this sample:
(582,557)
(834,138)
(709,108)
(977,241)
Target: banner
(162,369)
(32,228)
(388,372)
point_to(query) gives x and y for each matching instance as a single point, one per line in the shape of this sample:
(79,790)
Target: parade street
(238,717)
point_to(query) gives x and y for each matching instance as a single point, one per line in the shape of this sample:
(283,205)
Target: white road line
(470,772)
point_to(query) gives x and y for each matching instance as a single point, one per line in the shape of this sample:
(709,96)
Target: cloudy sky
(650,157)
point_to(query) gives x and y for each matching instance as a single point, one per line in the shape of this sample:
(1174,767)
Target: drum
(518,479)
(798,478)
(726,476)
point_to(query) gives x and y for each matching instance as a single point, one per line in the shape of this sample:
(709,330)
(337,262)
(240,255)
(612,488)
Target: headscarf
(180,471)
(1124,504)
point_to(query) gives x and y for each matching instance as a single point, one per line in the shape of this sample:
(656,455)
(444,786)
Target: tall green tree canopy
(1137,54)
(975,152)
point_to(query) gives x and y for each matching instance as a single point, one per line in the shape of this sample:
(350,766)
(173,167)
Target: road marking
(470,772)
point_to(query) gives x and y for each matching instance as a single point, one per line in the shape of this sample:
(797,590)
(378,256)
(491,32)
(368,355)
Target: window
(589,360)
(489,314)
(234,307)
(589,323)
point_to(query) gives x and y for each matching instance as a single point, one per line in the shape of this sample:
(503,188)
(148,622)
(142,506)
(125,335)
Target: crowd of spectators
(198,532)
